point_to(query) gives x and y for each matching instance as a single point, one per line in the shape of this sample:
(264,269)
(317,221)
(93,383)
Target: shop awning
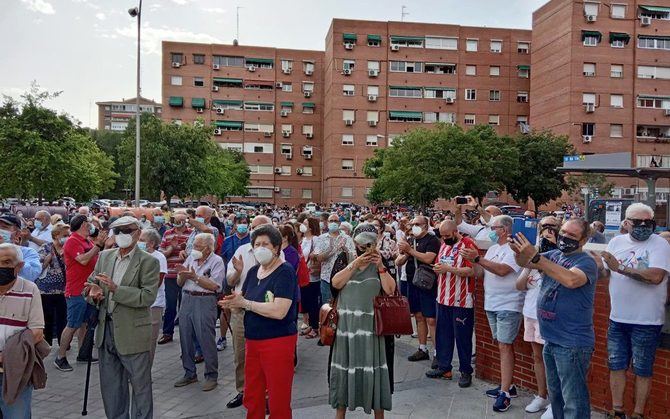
(523,67)
(349,37)
(229,124)
(398,38)
(227,80)
(656,9)
(308,105)
(375,38)
(288,104)
(198,102)
(228,102)
(405,114)
(591,33)
(619,36)
(259,60)
(176,101)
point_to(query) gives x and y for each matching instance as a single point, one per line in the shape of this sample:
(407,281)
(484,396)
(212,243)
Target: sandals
(312,334)
(305,331)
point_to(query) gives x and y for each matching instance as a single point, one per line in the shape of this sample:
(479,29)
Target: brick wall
(488,361)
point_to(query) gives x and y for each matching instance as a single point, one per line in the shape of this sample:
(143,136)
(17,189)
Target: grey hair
(15,248)
(505,220)
(208,238)
(208,210)
(639,206)
(152,236)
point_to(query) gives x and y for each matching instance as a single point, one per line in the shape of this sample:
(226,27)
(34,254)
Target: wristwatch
(621,268)
(476,260)
(536,258)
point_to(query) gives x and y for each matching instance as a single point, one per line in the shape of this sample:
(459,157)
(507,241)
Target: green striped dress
(359,375)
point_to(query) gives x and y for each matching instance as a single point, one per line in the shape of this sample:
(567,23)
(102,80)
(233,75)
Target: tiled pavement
(415,396)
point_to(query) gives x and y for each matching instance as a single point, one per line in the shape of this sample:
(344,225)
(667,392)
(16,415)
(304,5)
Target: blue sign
(581,157)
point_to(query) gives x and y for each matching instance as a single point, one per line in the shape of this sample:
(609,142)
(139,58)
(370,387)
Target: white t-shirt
(400,235)
(162,262)
(475,231)
(500,292)
(632,301)
(530,302)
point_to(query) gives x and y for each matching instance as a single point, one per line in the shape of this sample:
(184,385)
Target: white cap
(124,221)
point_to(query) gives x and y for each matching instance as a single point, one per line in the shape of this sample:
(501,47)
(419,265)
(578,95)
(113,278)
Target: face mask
(6,236)
(303,228)
(546,245)
(242,228)
(178,225)
(159,219)
(322,226)
(142,246)
(263,255)
(7,275)
(38,224)
(450,241)
(123,240)
(416,230)
(641,233)
(200,220)
(566,244)
(196,254)
(63,240)
(333,227)
(493,236)
(229,222)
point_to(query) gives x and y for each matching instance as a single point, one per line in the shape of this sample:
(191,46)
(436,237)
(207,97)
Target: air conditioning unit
(299,171)
(645,20)
(591,18)
(218,131)
(590,107)
(372,123)
(289,157)
(176,65)
(372,98)
(373,73)
(348,45)
(287,70)
(395,47)
(283,114)
(309,72)
(215,88)
(216,67)
(308,93)
(449,100)
(346,71)
(277,189)
(666,112)
(589,74)
(286,134)
(308,157)
(587,139)
(267,133)
(309,135)
(279,85)
(199,110)
(220,111)
(278,170)
(251,68)
(348,122)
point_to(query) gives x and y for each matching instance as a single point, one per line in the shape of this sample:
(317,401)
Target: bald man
(42,232)
(480,230)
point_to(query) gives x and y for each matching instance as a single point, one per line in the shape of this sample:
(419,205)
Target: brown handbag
(328,322)
(392,315)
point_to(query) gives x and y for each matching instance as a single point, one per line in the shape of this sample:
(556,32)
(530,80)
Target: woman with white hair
(359,372)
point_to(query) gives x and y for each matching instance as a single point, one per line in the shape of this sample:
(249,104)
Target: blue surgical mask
(38,225)
(200,219)
(242,228)
(142,246)
(333,227)
(159,219)
(229,222)
(6,236)
(493,236)
(63,240)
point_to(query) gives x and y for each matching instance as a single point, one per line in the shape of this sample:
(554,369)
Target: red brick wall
(488,363)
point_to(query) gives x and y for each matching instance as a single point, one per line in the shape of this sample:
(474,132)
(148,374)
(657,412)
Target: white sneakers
(547,414)
(538,404)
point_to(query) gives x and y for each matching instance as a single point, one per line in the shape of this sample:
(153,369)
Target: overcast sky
(86,48)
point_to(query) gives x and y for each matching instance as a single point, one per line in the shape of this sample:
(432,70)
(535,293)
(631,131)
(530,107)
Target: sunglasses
(496,227)
(124,230)
(637,222)
(543,226)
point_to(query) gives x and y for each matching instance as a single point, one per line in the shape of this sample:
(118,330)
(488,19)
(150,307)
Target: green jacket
(132,299)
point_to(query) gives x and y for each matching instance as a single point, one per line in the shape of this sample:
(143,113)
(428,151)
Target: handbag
(424,276)
(313,264)
(328,318)
(392,316)
(341,262)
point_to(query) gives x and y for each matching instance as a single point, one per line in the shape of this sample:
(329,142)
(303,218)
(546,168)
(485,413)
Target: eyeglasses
(543,226)
(637,222)
(124,230)
(496,227)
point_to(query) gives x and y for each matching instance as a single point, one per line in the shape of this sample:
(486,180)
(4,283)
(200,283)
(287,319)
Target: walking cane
(87,351)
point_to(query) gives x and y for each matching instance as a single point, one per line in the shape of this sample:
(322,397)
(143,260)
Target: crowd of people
(264,275)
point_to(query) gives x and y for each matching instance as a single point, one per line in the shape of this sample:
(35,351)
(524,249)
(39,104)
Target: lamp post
(137,12)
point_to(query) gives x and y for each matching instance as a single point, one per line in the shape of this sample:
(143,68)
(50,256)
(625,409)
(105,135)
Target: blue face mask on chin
(493,236)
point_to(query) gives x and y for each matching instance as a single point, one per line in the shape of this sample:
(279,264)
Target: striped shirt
(453,290)
(20,308)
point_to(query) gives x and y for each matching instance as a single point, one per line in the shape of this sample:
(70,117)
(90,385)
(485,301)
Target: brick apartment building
(115,115)
(307,120)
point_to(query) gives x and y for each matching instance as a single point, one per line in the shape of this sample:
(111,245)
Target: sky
(87,48)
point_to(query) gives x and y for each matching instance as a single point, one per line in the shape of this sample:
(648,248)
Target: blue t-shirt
(282,283)
(231,244)
(565,315)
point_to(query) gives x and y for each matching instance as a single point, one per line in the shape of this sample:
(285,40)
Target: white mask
(416,230)
(123,240)
(263,255)
(196,254)
(303,228)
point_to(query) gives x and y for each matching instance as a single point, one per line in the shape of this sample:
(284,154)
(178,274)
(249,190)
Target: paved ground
(415,395)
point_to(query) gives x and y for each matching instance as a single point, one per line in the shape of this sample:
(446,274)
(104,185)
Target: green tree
(108,142)
(596,183)
(540,153)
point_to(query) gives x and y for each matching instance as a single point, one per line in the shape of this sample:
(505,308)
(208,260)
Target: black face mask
(566,244)
(7,275)
(450,241)
(546,245)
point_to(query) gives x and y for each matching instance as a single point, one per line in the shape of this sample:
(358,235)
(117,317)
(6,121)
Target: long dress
(359,375)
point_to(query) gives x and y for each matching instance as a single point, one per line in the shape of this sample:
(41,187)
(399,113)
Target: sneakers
(538,403)
(209,385)
(502,402)
(419,355)
(221,344)
(616,414)
(493,393)
(439,373)
(548,414)
(434,364)
(186,381)
(62,364)
(465,380)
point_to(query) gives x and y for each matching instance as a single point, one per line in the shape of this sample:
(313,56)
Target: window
(438,68)
(521,119)
(374,41)
(286,149)
(257,106)
(589,69)
(648,72)
(588,99)
(198,81)
(307,171)
(441,43)
(348,89)
(227,61)
(258,148)
(618,11)
(373,90)
(470,94)
(470,70)
(177,58)
(653,43)
(198,59)
(347,164)
(371,141)
(469,119)
(590,9)
(448,117)
(523,71)
(258,62)
(307,151)
(287,128)
(494,95)
(287,87)
(655,12)
(588,128)
(308,129)
(407,41)
(494,70)
(616,130)
(306,193)
(406,67)
(285,192)
(308,108)
(616,101)
(494,119)
(471,45)
(232,146)
(523,47)
(373,65)
(409,92)
(405,116)
(347,139)
(348,115)
(653,102)
(260,169)
(590,40)
(259,127)
(347,192)
(307,86)
(616,71)
(286,66)
(439,93)
(496,46)
(259,85)
(522,97)
(260,192)
(373,116)
(348,65)
(175,80)
(308,67)
(286,171)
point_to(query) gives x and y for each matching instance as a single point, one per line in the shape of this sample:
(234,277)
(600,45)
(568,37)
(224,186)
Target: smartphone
(461,200)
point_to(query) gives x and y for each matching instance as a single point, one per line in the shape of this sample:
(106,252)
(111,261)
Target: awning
(405,114)
(653,97)
(656,9)
(619,36)
(227,80)
(308,105)
(198,102)
(398,38)
(442,64)
(405,87)
(523,67)
(665,38)
(349,37)
(592,33)
(229,124)
(375,38)
(441,88)
(259,83)
(176,101)
(259,61)
(227,102)
(288,104)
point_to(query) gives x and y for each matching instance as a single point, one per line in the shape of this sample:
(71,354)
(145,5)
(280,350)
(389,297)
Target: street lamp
(137,12)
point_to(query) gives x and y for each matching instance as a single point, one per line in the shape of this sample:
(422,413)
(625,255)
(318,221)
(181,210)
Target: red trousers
(269,366)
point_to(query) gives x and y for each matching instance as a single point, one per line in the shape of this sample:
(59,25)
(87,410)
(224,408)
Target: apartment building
(114,115)
(264,102)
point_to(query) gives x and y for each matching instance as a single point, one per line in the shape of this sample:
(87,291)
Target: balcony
(653,134)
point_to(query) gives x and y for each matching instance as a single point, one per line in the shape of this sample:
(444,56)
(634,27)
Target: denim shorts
(504,325)
(78,311)
(626,342)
